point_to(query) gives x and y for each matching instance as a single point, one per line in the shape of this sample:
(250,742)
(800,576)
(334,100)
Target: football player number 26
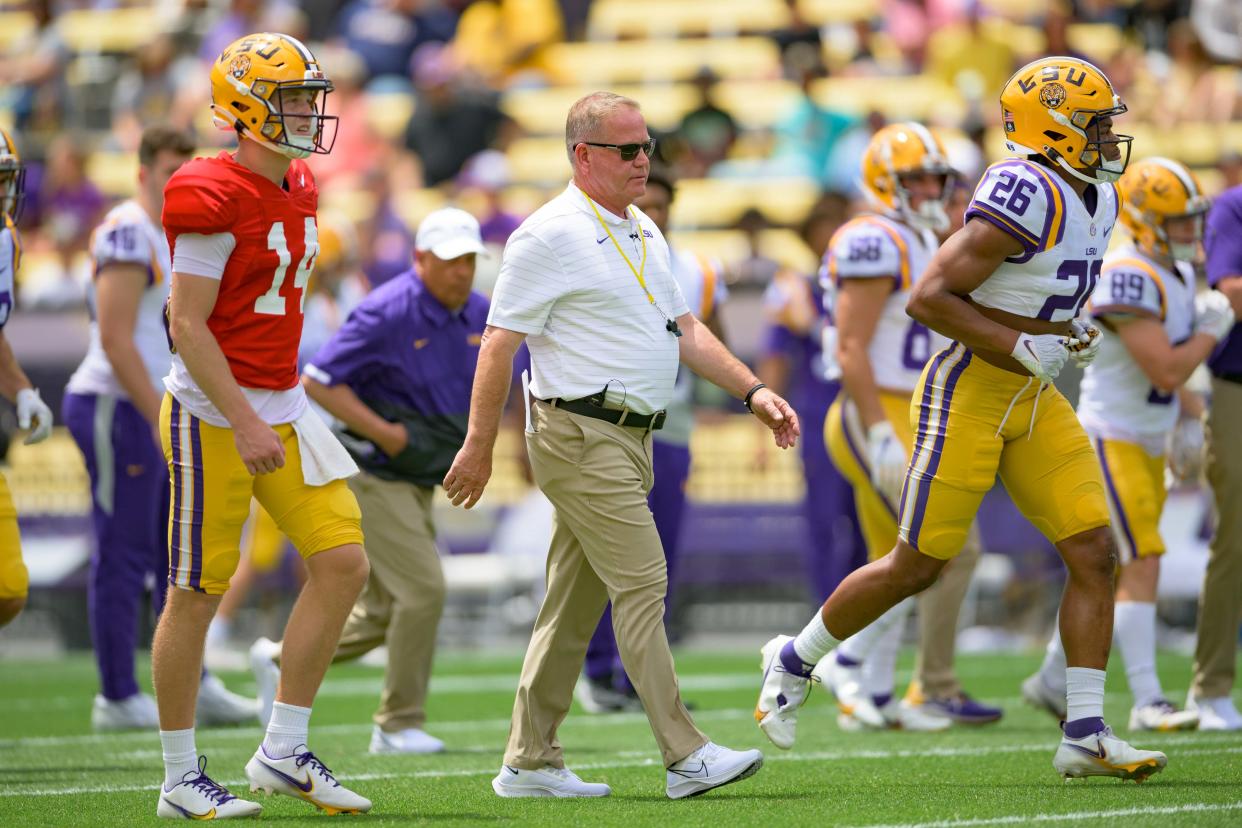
(272,302)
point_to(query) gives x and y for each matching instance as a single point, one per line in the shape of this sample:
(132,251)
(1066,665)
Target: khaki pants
(939,605)
(403,599)
(1220,609)
(605,547)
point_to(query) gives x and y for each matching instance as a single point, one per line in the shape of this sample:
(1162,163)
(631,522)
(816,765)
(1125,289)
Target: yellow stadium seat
(757,104)
(113,172)
(414,205)
(543,111)
(389,113)
(920,97)
(713,202)
(780,244)
(14,25)
(106,30)
(611,19)
(822,12)
(608,64)
(538,161)
(1099,41)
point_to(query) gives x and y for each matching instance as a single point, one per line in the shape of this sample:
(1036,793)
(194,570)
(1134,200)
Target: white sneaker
(411,740)
(301,775)
(845,683)
(710,767)
(1215,714)
(197,797)
(914,717)
(217,705)
(263,655)
(780,696)
(1038,694)
(138,712)
(597,697)
(1162,716)
(1103,754)
(514,782)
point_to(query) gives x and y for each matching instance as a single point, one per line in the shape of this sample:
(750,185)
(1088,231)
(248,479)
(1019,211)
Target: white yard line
(650,761)
(1071,816)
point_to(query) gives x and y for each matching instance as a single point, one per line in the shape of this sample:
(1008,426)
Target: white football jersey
(877,247)
(10,259)
(1117,400)
(702,283)
(129,236)
(1063,243)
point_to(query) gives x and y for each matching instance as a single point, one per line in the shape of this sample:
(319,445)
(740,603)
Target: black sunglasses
(628,151)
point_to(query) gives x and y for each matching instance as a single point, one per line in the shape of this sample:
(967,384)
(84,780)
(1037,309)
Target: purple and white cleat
(302,776)
(196,796)
(783,691)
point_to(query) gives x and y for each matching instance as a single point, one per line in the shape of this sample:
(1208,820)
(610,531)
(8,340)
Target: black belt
(1230,378)
(583,406)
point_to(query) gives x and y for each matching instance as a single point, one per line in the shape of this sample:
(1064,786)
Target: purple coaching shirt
(1223,241)
(412,361)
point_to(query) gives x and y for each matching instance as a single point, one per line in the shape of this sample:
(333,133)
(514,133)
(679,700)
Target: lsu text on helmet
(895,153)
(12,178)
(1052,108)
(269,87)
(1155,191)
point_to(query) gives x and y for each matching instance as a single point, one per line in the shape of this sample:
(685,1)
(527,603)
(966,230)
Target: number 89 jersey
(877,247)
(1063,243)
(257,318)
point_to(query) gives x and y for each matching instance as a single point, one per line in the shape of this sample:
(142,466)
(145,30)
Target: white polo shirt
(588,322)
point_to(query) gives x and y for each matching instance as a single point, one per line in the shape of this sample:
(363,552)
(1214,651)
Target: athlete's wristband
(751,393)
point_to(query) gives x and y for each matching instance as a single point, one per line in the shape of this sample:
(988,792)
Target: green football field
(54,771)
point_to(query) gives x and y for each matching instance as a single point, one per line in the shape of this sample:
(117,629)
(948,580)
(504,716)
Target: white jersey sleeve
(1021,198)
(120,240)
(10,260)
(866,248)
(1129,285)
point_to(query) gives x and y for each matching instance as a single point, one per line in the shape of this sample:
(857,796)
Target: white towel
(324,459)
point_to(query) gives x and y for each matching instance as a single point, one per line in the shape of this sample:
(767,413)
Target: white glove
(1185,449)
(1044,355)
(888,461)
(33,414)
(1213,314)
(1084,342)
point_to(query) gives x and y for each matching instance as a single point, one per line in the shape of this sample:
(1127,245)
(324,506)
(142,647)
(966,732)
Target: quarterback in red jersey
(235,422)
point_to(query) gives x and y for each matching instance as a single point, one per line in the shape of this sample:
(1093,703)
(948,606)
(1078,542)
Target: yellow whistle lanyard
(642,267)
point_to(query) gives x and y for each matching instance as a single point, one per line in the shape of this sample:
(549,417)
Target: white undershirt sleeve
(199,255)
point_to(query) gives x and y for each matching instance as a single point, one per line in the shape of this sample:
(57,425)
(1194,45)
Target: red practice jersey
(258,314)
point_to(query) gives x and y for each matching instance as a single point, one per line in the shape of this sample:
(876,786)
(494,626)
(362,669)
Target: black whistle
(672,327)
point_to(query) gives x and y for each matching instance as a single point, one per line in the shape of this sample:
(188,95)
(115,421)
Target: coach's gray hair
(588,114)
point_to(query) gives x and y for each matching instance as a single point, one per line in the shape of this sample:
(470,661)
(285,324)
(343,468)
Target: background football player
(1008,287)
(235,421)
(32,412)
(1155,333)
(872,263)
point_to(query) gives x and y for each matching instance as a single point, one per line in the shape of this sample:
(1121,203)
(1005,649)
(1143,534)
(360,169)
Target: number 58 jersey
(1063,242)
(257,318)
(877,247)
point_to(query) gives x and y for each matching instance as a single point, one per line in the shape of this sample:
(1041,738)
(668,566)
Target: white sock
(881,661)
(1134,628)
(814,642)
(180,755)
(287,730)
(1053,669)
(1084,693)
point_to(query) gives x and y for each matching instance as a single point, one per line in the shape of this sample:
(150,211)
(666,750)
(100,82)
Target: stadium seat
(106,30)
(613,19)
(711,202)
(113,172)
(14,25)
(780,244)
(660,62)
(825,12)
(543,111)
(918,96)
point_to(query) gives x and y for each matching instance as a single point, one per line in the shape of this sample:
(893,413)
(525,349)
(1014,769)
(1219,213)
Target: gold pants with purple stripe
(1134,482)
(211,492)
(973,421)
(14,579)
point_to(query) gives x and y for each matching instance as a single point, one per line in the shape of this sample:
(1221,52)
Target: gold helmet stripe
(929,143)
(300,46)
(1178,170)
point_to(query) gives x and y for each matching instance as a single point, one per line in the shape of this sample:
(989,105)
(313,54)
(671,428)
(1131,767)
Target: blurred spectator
(386,246)
(34,70)
(241,18)
(488,174)
(1219,24)
(846,158)
(336,286)
(386,33)
(451,121)
(67,206)
(707,131)
(969,57)
(807,135)
(1151,19)
(1056,32)
(800,42)
(147,91)
(505,42)
(358,148)
(1231,169)
(755,269)
(1196,89)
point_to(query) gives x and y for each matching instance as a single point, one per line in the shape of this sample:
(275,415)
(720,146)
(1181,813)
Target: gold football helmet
(1153,191)
(257,79)
(899,150)
(12,178)
(1049,108)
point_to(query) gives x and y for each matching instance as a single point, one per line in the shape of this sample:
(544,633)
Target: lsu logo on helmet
(1052,107)
(269,87)
(12,178)
(901,150)
(1154,192)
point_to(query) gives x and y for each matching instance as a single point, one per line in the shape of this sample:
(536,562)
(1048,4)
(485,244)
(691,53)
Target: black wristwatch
(751,393)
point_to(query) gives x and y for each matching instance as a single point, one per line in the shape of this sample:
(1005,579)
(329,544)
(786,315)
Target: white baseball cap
(449,233)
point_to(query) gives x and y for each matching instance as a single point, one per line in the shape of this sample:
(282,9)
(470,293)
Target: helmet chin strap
(1102,175)
(931,214)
